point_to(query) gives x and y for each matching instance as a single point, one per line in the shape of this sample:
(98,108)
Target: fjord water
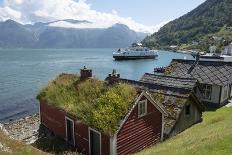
(23,72)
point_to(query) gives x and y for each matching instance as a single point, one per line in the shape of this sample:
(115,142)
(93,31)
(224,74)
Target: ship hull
(134,57)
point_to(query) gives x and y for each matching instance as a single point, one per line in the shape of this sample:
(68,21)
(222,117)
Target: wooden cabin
(214,77)
(175,95)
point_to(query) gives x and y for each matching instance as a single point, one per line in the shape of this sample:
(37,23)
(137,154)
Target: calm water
(24,72)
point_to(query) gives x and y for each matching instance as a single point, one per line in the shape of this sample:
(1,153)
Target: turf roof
(94,102)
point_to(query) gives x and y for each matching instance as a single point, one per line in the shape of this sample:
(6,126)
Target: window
(225,92)
(187,110)
(142,108)
(207,91)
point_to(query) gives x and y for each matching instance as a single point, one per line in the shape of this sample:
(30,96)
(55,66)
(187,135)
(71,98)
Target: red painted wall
(54,119)
(138,133)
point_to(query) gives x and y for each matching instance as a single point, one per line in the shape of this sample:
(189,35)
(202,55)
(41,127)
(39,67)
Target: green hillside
(211,137)
(10,146)
(208,18)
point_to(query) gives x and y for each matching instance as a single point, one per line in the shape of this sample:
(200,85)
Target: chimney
(86,73)
(113,77)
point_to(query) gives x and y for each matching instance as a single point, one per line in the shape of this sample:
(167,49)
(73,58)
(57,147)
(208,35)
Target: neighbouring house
(212,49)
(176,95)
(227,50)
(117,116)
(214,77)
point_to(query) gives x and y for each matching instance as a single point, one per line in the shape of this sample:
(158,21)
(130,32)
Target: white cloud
(31,11)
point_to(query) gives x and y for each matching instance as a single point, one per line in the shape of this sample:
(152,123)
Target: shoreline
(23,129)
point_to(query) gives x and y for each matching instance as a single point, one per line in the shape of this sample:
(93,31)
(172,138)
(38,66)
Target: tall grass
(93,101)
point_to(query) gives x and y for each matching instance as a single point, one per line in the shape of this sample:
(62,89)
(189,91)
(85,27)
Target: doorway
(70,131)
(95,142)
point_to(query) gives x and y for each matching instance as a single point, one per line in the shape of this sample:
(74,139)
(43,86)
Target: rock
(25,129)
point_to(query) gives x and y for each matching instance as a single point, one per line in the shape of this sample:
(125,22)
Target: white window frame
(91,129)
(226,90)
(207,88)
(67,118)
(145,108)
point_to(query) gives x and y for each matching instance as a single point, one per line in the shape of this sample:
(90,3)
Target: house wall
(54,119)
(215,96)
(138,133)
(230,91)
(185,121)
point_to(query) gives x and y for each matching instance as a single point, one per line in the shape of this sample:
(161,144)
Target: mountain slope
(41,35)
(213,136)
(207,18)
(11,31)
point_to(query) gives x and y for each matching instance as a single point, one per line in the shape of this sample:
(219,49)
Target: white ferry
(136,51)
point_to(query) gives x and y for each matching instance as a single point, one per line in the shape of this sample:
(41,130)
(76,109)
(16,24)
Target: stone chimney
(113,77)
(86,73)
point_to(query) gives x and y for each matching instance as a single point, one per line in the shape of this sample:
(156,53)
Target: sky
(139,15)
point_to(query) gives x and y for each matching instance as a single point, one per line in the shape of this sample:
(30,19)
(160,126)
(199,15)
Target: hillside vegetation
(208,18)
(213,136)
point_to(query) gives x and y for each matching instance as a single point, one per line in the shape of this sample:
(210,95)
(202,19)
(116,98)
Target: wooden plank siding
(138,133)
(54,119)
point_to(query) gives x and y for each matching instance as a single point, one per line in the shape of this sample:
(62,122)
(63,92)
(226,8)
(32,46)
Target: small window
(142,108)
(225,92)
(207,91)
(187,110)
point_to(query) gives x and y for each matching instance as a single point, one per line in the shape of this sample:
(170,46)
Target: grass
(211,137)
(92,101)
(10,146)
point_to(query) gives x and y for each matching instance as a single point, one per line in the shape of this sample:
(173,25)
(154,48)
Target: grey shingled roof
(206,72)
(172,96)
(169,81)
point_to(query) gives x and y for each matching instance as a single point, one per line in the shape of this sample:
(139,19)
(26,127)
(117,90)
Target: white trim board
(91,129)
(145,113)
(67,118)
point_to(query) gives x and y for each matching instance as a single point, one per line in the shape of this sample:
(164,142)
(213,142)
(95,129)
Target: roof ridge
(205,61)
(145,85)
(171,76)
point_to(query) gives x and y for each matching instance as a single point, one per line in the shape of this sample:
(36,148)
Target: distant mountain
(42,35)
(208,18)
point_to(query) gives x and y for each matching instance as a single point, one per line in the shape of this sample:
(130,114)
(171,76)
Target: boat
(216,57)
(136,51)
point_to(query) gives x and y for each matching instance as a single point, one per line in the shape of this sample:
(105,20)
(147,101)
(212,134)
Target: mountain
(13,34)
(208,18)
(42,35)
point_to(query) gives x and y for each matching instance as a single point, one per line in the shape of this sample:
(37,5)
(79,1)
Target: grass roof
(96,103)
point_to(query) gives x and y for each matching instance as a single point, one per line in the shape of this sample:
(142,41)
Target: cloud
(31,11)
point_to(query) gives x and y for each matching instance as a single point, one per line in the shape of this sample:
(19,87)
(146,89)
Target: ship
(136,51)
